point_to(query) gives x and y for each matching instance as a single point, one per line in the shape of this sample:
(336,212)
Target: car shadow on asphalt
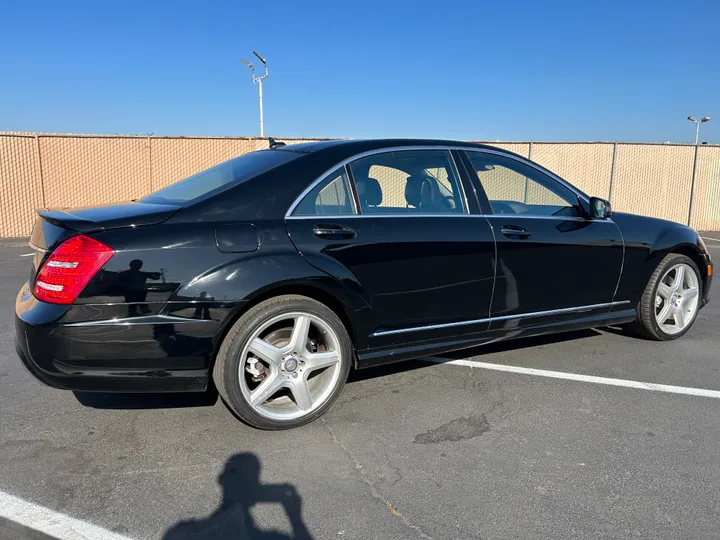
(209,398)
(242,489)
(480,350)
(101,400)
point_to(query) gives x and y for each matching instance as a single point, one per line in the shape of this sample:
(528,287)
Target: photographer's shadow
(240,482)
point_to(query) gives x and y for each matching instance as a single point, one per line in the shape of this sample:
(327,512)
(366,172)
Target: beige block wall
(522,149)
(587,166)
(654,180)
(706,202)
(20,185)
(85,171)
(71,171)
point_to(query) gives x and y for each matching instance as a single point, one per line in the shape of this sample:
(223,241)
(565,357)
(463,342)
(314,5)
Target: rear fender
(236,286)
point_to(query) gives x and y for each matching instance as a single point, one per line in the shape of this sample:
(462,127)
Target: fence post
(38,157)
(692,185)
(612,172)
(150,178)
(527,181)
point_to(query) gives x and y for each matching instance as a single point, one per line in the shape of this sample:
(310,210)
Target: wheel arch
(690,250)
(311,290)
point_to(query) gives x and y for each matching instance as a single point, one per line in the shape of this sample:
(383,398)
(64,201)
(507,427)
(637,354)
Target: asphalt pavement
(413,450)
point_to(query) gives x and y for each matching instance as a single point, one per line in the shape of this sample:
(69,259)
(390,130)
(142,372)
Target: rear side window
(219,177)
(331,196)
(408,182)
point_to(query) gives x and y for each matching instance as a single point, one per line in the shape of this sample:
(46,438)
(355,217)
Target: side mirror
(600,208)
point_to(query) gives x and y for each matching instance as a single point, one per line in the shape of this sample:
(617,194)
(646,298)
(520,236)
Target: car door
(554,263)
(395,227)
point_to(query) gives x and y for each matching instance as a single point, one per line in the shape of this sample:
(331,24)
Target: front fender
(647,242)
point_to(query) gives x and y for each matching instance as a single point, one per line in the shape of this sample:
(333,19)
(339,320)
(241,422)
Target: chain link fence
(671,181)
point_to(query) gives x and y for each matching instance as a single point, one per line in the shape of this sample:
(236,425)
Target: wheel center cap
(291,364)
(676,299)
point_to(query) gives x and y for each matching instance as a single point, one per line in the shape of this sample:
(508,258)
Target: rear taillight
(69,268)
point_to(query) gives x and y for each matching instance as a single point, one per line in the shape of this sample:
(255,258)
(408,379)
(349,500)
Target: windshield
(219,177)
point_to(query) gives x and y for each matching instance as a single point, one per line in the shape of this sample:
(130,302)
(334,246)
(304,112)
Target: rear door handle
(514,231)
(334,231)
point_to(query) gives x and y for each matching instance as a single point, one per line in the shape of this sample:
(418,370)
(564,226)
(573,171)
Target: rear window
(220,177)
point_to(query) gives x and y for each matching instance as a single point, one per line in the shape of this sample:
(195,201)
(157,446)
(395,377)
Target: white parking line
(582,378)
(50,522)
(27,254)
(710,238)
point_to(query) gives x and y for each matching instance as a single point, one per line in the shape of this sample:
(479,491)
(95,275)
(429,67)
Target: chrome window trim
(540,216)
(387,150)
(418,215)
(350,188)
(501,318)
(346,162)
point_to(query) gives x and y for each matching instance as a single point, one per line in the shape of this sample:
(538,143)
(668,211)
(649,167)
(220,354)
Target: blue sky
(518,70)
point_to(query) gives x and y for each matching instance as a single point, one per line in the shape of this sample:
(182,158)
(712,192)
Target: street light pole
(697,126)
(695,161)
(258,81)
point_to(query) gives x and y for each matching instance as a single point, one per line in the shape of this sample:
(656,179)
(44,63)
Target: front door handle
(512,231)
(334,231)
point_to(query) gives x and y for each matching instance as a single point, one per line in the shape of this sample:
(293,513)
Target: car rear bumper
(143,357)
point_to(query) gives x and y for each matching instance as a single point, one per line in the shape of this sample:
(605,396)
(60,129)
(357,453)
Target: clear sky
(492,70)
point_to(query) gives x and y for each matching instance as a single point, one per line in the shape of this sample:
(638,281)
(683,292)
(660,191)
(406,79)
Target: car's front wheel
(671,299)
(283,363)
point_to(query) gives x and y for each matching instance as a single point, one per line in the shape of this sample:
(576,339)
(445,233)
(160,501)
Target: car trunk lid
(111,216)
(52,227)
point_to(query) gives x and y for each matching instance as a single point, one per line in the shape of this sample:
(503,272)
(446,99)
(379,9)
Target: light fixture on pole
(697,125)
(258,81)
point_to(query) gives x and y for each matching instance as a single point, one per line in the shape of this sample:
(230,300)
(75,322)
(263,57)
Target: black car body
(438,267)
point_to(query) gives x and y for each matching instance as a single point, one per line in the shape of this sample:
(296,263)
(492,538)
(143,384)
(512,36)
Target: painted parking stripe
(710,238)
(27,254)
(667,388)
(50,522)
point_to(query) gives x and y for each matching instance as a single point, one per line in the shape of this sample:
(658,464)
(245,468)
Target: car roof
(363,145)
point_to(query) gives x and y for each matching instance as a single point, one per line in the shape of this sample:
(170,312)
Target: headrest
(421,192)
(369,192)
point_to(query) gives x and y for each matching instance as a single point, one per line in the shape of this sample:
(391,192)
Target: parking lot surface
(414,450)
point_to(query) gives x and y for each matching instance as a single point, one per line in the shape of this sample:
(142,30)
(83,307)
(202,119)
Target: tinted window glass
(217,178)
(516,188)
(331,196)
(412,181)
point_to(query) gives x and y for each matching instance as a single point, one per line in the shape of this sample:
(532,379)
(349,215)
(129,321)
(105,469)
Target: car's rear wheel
(283,363)
(671,299)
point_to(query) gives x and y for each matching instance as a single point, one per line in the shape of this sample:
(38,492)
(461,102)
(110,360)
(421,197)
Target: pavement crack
(371,485)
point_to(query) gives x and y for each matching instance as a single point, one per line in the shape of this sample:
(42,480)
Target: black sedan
(273,274)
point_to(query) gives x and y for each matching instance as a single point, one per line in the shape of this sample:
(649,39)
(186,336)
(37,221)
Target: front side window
(331,196)
(408,182)
(513,187)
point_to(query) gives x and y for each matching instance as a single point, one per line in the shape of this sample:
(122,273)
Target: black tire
(229,357)
(645,325)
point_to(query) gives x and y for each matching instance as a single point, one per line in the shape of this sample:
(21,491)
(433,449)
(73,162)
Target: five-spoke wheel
(677,298)
(283,363)
(671,299)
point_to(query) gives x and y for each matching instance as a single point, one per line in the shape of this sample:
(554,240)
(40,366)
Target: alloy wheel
(290,366)
(677,299)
